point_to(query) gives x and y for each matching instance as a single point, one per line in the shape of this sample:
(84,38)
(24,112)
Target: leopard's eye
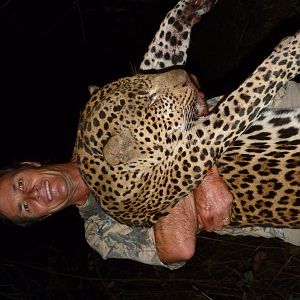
(151,98)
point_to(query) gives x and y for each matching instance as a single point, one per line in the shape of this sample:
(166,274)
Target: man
(33,192)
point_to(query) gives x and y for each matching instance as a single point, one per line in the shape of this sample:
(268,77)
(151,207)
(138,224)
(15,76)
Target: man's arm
(175,234)
(207,208)
(114,240)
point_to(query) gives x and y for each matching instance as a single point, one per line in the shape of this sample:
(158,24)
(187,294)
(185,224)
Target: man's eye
(20,184)
(26,206)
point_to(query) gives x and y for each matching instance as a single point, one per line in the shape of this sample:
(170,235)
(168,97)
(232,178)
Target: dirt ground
(224,267)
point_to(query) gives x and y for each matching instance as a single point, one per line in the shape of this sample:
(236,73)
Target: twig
(83,31)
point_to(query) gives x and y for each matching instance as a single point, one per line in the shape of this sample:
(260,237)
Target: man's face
(30,193)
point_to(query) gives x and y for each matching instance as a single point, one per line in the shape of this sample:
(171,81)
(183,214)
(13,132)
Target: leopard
(143,143)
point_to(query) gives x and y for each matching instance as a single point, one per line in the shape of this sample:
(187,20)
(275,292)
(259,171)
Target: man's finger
(207,219)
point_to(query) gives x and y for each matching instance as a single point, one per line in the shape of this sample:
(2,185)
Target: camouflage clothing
(114,240)
(290,92)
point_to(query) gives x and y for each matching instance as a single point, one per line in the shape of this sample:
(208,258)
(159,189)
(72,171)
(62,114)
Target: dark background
(51,50)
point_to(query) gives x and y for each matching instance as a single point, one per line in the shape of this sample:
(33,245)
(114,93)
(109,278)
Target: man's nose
(34,193)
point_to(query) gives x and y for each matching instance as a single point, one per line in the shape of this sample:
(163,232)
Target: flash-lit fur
(158,156)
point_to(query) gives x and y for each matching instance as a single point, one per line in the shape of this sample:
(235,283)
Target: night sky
(51,50)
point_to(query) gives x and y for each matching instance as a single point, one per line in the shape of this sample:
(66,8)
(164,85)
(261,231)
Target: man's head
(32,191)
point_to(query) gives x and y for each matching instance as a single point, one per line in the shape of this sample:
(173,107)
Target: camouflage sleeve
(114,240)
(288,97)
(288,235)
(290,93)
(212,102)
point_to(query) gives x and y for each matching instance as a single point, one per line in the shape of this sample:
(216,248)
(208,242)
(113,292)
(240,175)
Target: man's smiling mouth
(48,192)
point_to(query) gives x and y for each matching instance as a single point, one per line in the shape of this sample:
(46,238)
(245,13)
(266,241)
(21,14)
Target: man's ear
(30,163)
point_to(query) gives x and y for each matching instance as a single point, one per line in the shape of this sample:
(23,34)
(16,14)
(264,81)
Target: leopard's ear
(121,148)
(93,89)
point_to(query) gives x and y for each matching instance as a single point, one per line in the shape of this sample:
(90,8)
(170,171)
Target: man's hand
(209,206)
(213,202)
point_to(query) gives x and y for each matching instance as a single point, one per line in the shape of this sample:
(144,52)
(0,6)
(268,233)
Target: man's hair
(14,167)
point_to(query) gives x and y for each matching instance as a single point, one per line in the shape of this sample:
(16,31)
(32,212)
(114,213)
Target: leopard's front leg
(212,136)
(245,104)
(170,44)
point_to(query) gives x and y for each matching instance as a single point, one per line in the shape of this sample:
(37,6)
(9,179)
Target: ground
(51,51)
(222,268)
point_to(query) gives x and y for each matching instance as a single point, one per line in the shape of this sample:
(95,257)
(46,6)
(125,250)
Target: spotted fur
(262,169)
(142,143)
